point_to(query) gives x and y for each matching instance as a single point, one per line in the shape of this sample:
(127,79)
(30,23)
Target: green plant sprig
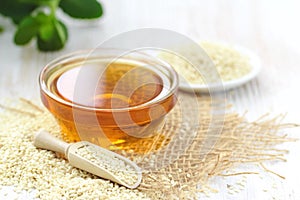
(37,19)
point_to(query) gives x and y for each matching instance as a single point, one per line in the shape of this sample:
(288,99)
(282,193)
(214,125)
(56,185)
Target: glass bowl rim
(85,53)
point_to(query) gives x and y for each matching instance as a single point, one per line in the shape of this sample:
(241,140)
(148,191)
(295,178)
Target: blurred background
(270,28)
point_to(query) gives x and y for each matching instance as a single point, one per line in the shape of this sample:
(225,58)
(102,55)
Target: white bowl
(226,85)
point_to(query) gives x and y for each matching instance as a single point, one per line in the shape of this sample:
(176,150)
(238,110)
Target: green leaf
(42,18)
(54,41)
(16,10)
(51,33)
(27,29)
(46,32)
(61,31)
(48,3)
(37,2)
(46,29)
(1,29)
(85,9)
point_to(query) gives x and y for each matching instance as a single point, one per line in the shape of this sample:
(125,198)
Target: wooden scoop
(71,151)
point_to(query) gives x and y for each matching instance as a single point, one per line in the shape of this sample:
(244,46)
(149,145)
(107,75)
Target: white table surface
(268,27)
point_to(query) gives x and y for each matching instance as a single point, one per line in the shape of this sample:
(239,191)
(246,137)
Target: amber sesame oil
(118,105)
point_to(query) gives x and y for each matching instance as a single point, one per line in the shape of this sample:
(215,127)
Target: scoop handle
(45,140)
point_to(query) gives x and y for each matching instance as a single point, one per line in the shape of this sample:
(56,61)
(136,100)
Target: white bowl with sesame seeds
(231,84)
(234,66)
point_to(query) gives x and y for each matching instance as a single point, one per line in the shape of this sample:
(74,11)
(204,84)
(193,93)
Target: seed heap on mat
(51,177)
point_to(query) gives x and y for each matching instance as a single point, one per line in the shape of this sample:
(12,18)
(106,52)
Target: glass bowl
(110,97)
